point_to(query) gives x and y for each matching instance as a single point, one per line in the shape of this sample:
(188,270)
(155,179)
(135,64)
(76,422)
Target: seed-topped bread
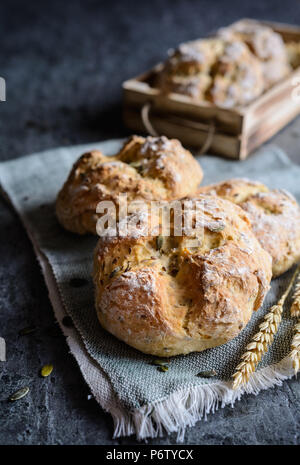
(266,44)
(230,69)
(223,72)
(169,295)
(274,214)
(145,168)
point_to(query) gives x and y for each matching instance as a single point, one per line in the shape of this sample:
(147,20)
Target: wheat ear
(295,308)
(261,340)
(295,312)
(295,346)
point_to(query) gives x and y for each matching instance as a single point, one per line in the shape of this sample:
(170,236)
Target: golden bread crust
(230,69)
(145,168)
(237,77)
(223,72)
(187,71)
(171,295)
(274,214)
(266,44)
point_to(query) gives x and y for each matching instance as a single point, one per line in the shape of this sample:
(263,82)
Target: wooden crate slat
(230,121)
(226,145)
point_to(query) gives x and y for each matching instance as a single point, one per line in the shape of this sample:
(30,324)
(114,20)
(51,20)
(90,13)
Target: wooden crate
(234,132)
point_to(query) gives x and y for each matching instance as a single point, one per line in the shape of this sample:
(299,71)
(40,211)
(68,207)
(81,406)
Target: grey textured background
(64,64)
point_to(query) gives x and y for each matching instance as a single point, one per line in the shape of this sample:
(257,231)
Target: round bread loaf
(266,44)
(145,168)
(237,77)
(169,295)
(274,214)
(223,72)
(187,71)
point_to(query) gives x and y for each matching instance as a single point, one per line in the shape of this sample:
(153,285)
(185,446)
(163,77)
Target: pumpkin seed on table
(19,394)
(46,370)
(159,362)
(207,374)
(163,368)
(27,330)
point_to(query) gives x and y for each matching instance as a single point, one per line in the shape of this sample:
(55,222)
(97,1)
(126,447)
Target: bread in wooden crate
(208,101)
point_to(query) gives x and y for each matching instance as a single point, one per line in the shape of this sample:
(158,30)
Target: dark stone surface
(64,64)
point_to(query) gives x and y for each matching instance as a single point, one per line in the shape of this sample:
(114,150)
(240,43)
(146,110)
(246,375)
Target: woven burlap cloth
(141,399)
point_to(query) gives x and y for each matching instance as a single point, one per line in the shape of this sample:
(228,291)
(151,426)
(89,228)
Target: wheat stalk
(295,312)
(295,346)
(295,308)
(262,340)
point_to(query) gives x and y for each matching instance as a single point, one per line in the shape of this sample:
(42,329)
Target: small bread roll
(274,214)
(232,68)
(182,293)
(187,71)
(145,169)
(237,77)
(221,71)
(266,44)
